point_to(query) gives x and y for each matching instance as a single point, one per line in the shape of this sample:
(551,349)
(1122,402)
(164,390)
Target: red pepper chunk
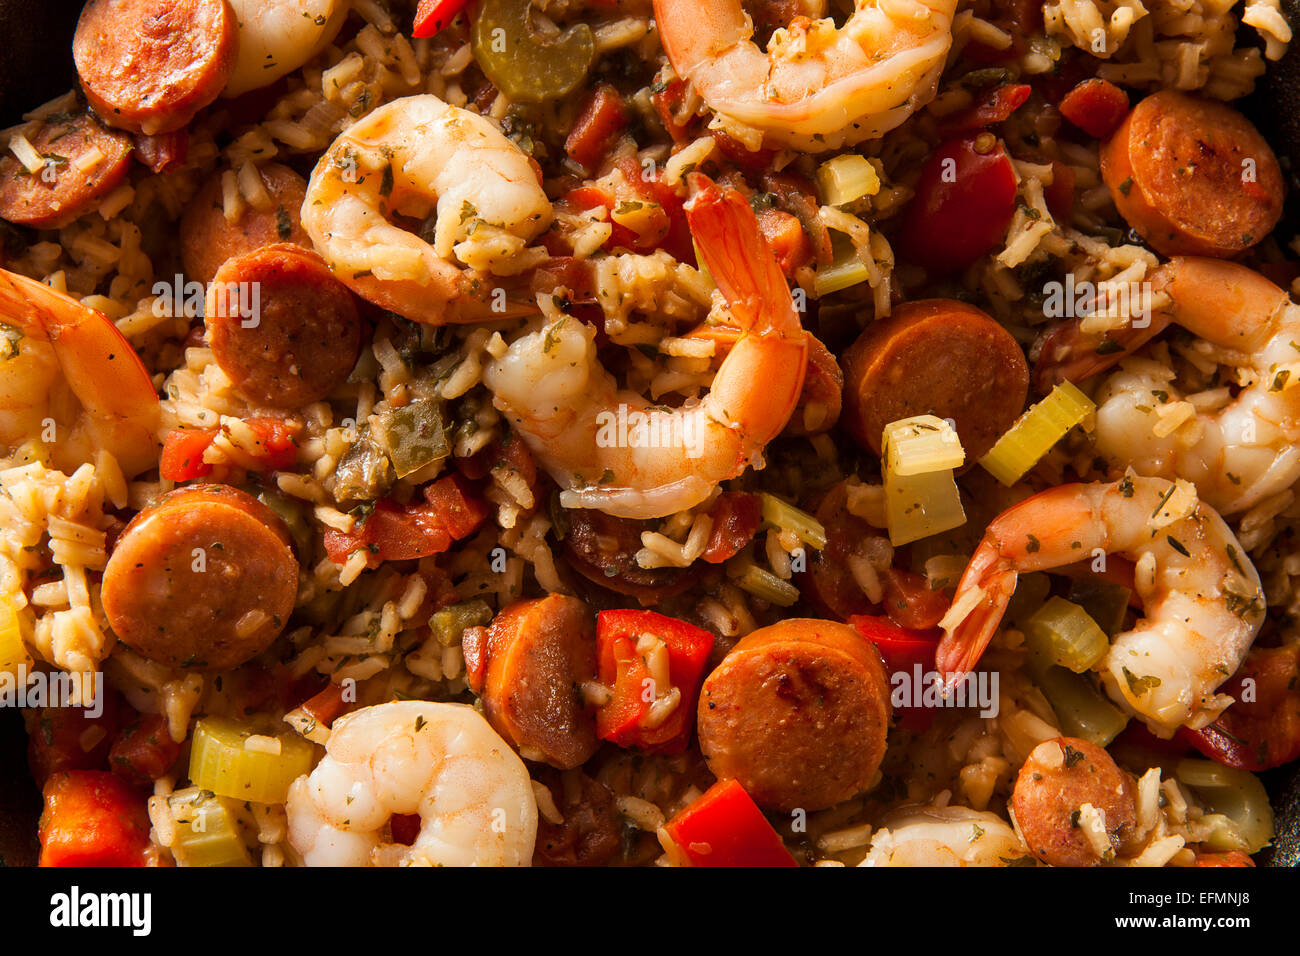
(910,603)
(724,827)
(395,532)
(995,108)
(93,818)
(904,649)
(144,751)
(182,454)
(624,670)
(432,16)
(1095,106)
(601,119)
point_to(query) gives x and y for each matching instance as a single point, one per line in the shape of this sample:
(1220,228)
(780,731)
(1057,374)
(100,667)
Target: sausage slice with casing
(797,713)
(147,66)
(935,357)
(1192,176)
(202,579)
(85,162)
(281,326)
(529,666)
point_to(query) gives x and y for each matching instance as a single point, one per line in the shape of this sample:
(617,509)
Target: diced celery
(526,65)
(449,623)
(207,833)
(917,506)
(1062,633)
(839,275)
(1106,603)
(1237,794)
(768,586)
(223,761)
(1036,432)
(922,444)
(13,651)
(1081,709)
(413,435)
(846,178)
(782,514)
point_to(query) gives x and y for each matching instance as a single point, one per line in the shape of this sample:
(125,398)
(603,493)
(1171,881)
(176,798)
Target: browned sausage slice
(208,239)
(798,713)
(1057,779)
(529,667)
(1193,176)
(935,357)
(202,579)
(284,330)
(148,66)
(85,161)
(589,833)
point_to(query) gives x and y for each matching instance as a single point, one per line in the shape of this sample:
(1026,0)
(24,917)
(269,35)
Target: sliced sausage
(935,357)
(1193,176)
(203,579)
(85,162)
(589,833)
(281,326)
(208,239)
(148,66)
(1057,779)
(529,667)
(797,712)
(602,548)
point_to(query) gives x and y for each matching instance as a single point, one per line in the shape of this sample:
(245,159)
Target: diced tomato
(325,706)
(93,818)
(182,454)
(963,205)
(601,118)
(163,152)
(786,238)
(1261,729)
(394,532)
(904,650)
(573,275)
(797,195)
(736,516)
(431,16)
(66,738)
(405,827)
(650,185)
(657,206)
(144,751)
(724,827)
(910,603)
(996,106)
(622,669)
(1060,195)
(751,161)
(1095,106)
(668,102)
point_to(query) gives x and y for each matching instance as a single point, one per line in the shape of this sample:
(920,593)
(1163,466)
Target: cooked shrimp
(70,377)
(944,836)
(278,36)
(1201,594)
(1238,454)
(610,449)
(441,761)
(411,157)
(817,87)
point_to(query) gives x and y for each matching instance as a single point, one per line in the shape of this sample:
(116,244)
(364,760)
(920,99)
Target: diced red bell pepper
(736,516)
(724,827)
(601,118)
(995,107)
(326,706)
(903,650)
(1261,729)
(624,671)
(1096,106)
(432,16)
(667,103)
(93,818)
(394,532)
(405,827)
(963,205)
(910,603)
(144,751)
(786,238)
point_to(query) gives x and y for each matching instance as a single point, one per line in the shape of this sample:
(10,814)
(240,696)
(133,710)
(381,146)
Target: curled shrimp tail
(738,257)
(964,644)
